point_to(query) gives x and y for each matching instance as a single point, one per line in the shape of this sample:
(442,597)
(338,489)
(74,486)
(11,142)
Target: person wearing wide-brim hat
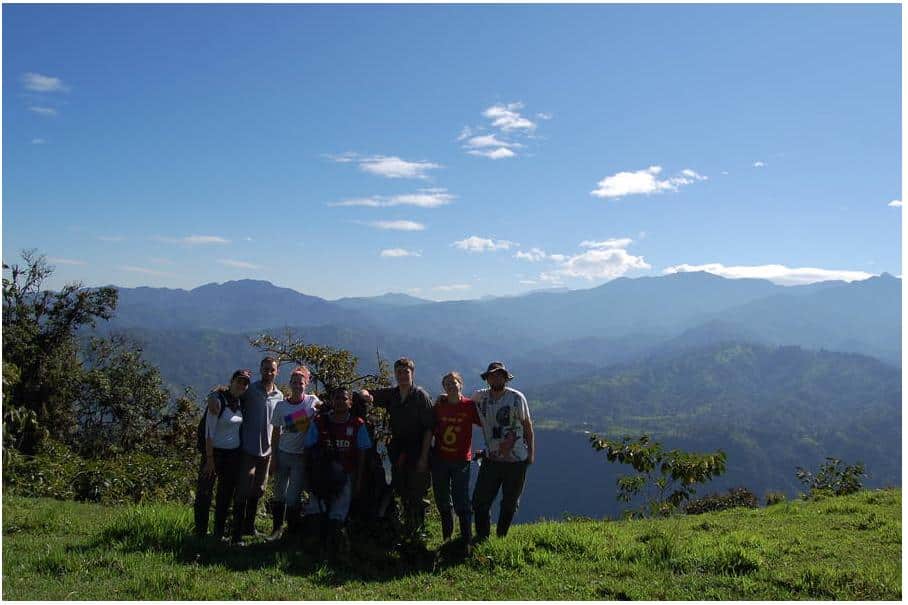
(510,448)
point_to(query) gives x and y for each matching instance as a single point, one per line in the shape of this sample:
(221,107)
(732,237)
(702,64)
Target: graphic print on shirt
(297,422)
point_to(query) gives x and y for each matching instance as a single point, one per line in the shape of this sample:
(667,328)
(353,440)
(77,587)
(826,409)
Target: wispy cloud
(42,83)
(534,255)
(481,244)
(391,167)
(65,261)
(424,198)
(759,164)
(508,118)
(507,124)
(38,141)
(617,242)
(644,182)
(452,287)
(144,271)
(398,253)
(398,225)
(895,204)
(111,238)
(44,111)
(778,274)
(193,240)
(237,264)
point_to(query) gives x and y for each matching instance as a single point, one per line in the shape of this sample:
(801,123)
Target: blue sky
(451,151)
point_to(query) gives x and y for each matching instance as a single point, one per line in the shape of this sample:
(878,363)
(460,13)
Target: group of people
(340,458)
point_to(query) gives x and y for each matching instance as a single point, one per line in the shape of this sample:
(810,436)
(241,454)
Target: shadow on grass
(367,560)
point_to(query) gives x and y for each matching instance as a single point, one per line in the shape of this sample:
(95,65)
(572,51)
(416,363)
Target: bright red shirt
(454,429)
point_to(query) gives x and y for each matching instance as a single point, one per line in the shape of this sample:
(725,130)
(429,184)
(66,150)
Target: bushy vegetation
(833,478)
(738,497)
(846,548)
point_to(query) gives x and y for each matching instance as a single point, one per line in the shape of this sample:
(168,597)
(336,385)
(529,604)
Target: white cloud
(44,111)
(466,133)
(481,244)
(599,263)
(496,154)
(111,238)
(895,203)
(759,164)
(65,261)
(452,287)
(643,182)
(544,116)
(489,140)
(507,118)
(237,264)
(528,282)
(144,270)
(42,83)
(398,225)
(622,242)
(38,141)
(194,240)
(778,274)
(398,253)
(424,198)
(534,255)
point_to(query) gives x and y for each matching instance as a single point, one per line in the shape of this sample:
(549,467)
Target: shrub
(739,497)
(834,478)
(775,498)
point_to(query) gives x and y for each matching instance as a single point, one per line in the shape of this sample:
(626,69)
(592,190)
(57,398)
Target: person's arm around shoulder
(528,434)
(211,419)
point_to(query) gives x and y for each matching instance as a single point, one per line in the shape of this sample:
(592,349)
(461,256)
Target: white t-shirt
(502,424)
(223,428)
(293,419)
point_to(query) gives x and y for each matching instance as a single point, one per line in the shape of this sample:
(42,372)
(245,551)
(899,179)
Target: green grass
(837,548)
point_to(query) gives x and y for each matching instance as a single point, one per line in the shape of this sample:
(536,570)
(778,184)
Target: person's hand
(441,399)
(209,468)
(366,395)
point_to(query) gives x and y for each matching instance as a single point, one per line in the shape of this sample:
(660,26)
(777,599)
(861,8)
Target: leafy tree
(329,367)
(665,478)
(40,354)
(834,477)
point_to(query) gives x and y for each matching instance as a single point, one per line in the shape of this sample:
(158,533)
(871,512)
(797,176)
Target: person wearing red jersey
(451,454)
(340,440)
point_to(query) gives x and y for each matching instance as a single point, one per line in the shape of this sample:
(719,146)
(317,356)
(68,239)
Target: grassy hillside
(837,548)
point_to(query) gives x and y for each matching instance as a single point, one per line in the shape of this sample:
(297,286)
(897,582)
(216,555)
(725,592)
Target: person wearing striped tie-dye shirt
(290,420)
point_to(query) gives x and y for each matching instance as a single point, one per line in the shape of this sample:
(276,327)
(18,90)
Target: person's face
(497,380)
(238,386)
(341,402)
(451,387)
(298,383)
(269,371)
(404,376)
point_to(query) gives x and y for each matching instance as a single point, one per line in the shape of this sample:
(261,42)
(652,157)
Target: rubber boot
(201,520)
(252,505)
(293,523)
(483,525)
(447,524)
(277,519)
(505,516)
(466,536)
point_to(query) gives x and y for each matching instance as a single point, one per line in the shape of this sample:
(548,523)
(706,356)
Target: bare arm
(275,439)
(530,438)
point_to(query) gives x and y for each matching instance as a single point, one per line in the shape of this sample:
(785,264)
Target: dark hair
(334,392)
(269,360)
(360,405)
(405,362)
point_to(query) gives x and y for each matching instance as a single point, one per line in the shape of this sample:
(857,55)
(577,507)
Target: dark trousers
(225,475)
(412,487)
(451,481)
(509,477)
(251,478)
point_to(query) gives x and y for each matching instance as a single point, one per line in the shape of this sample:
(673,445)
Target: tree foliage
(330,367)
(665,479)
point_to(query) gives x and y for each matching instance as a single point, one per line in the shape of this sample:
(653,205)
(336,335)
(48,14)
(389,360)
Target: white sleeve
(523,409)
(276,416)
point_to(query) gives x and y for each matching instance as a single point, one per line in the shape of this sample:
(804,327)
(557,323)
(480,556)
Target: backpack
(200,430)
